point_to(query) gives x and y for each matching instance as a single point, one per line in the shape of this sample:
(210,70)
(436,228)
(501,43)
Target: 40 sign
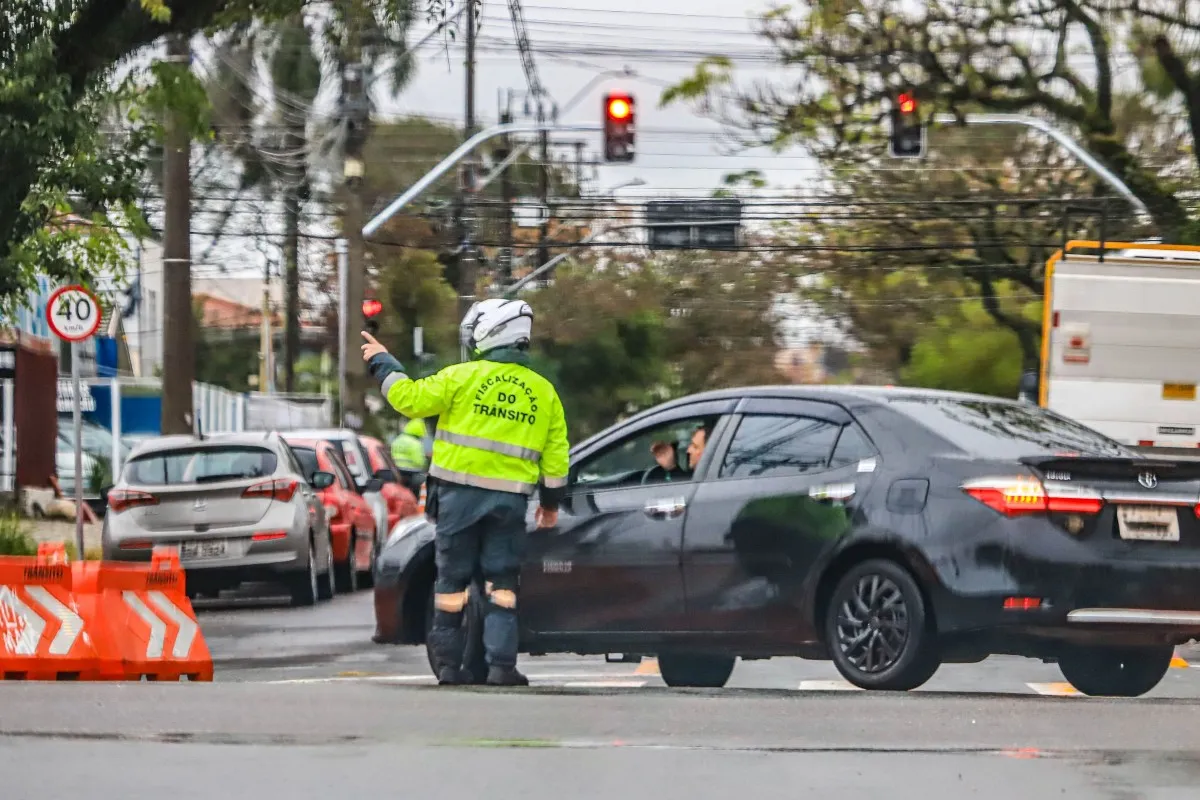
(73,313)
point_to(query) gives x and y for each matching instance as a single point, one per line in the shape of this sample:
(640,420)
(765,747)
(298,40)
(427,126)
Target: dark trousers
(479,532)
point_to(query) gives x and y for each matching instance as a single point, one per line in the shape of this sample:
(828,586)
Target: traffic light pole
(1070,145)
(465,149)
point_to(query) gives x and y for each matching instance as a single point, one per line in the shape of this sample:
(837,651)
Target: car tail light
(123,499)
(1028,495)
(1022,603)
(269,536)
(136,544)
(280,489)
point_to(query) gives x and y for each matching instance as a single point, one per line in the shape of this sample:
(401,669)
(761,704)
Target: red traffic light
(620,108)
(906,103)
(371,307)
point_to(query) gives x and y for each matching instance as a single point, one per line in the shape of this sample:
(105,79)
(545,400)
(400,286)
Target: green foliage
(968,353)
(415,294)
(15,539)
(618,340)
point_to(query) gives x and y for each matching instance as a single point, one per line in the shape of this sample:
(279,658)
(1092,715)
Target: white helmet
(496,323)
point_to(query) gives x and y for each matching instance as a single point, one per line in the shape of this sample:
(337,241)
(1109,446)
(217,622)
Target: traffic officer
(501,436)
(408,448)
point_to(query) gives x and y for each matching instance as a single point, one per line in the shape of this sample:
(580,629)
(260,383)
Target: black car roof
(837,394)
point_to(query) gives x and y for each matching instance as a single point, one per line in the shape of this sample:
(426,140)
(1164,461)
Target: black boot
(446,651)
(505,676)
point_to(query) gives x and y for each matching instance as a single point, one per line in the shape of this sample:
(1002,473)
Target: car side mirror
(373,485)
(385,475)
(321,480)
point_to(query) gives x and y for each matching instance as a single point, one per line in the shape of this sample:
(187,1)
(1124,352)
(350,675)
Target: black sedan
(890,530)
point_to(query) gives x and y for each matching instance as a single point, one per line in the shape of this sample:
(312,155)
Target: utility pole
(178,320)
(506,198)
(465,243)
(579,168)
(357,117)
(544,185)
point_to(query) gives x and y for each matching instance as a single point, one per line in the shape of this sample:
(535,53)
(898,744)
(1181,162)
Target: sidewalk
(55,530)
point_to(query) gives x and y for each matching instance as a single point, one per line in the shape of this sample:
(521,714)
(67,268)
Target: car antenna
(199,429)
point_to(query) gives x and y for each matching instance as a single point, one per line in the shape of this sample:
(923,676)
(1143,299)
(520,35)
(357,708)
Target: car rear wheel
(474,655)
(703,671)
(304,585)
(1116,671)
(878,630)
(347,573)
(327,582)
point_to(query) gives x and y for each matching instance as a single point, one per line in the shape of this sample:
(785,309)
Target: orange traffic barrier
(98,621)
(143,622)
(41,632)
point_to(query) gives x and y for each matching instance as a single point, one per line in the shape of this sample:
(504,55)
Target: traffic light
(908,134)
(371,309)
(618,127)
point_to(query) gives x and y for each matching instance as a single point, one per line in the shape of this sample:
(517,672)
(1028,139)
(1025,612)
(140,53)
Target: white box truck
(1121,343)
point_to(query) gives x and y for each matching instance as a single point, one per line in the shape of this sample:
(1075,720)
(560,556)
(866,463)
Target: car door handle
(832,492)
(665,509)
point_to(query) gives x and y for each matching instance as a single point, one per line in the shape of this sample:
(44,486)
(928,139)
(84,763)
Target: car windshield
(206,465)
(1005,430)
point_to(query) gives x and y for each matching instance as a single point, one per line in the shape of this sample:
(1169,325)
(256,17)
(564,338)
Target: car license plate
(1148,523)
(212,548)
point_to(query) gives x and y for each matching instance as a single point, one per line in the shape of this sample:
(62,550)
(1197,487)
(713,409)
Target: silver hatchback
(237,506)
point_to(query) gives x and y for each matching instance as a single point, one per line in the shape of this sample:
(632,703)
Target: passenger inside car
(668,468)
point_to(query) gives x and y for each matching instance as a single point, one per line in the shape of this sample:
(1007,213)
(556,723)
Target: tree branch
(1189,87)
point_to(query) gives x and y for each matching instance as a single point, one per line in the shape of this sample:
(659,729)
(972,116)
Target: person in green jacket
(408,448)
(501,437)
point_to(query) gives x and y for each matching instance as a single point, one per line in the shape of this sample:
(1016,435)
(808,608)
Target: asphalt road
(305,706)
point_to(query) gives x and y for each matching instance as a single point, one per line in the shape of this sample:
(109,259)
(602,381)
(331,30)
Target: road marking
(587,677)
(1055,689)
(647,667)
(71,625)
(828,686)
(1179,663)
(602,684)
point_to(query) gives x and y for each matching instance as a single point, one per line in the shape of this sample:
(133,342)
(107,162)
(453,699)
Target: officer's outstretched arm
(427,397)
(556,459)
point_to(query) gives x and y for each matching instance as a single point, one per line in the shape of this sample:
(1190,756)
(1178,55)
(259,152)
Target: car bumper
(1065,593)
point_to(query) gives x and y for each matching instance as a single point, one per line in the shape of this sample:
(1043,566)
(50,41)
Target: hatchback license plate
(1148,523)
(214,548)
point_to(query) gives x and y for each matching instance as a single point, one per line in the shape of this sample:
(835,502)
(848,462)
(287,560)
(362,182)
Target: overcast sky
(574,41)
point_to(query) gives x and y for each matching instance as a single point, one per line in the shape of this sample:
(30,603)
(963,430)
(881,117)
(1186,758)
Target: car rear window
(1005,429)
(200,465)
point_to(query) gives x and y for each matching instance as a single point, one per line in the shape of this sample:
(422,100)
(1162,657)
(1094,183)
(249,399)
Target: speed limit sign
(73,313)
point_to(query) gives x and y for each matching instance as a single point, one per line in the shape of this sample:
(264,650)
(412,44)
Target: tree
(847,60)
(893,247)
(620,336)
(55,63)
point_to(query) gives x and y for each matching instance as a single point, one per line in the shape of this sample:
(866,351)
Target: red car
(351,523)
(401,502)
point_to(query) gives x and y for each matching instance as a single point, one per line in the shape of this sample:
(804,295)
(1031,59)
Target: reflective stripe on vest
(495,484)
(480,443)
